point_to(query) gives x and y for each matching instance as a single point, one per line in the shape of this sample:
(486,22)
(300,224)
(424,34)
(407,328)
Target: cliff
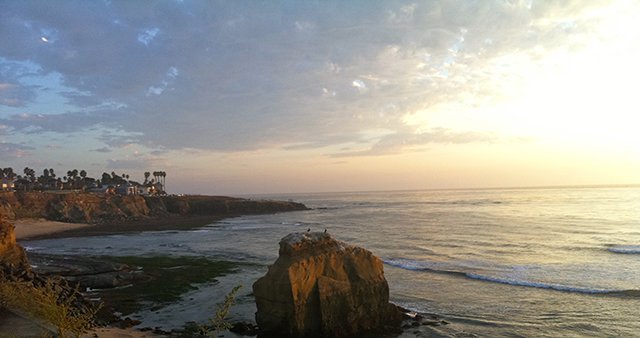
(319,286)
(74,207)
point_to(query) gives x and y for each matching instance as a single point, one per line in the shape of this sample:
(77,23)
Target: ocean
(525,262)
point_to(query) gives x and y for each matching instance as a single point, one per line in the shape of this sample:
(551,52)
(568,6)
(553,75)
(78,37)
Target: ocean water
(534,262)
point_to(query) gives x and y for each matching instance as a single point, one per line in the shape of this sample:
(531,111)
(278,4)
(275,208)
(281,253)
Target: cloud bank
(233,76)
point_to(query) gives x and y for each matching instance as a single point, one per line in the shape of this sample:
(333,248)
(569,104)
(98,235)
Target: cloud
(402,141)
(148,35)
(12,92)
(9,151)
(102,150)
(61,123)
(127,164)
(140,162)
(232,76)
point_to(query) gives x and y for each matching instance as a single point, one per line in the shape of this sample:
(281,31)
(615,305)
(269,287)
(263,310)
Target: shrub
(217,323)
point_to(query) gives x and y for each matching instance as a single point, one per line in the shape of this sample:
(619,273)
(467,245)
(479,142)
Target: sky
(242,97)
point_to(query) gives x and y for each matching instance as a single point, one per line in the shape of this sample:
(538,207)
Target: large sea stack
(322,287)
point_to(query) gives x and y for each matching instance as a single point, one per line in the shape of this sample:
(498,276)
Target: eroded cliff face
(319,286)
(77,207)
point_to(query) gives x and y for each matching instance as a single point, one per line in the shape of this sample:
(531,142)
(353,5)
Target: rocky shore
(71,214)
(318,286)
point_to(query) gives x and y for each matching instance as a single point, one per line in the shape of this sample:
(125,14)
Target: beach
(41,228)
(31,229)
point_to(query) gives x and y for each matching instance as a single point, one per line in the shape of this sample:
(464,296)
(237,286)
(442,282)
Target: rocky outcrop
(78,207)
(12,255)
(319,286)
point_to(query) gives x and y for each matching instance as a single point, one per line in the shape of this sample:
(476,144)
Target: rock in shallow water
(319,286)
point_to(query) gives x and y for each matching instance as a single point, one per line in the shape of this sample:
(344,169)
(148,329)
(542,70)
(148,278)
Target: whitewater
(526,262)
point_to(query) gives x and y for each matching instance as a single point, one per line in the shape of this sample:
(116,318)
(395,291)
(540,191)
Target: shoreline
(27,229)
(35,229)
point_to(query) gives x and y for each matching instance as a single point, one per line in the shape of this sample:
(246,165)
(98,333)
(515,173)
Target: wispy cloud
(9,151)
(146,36)
(174,75)
(408,141)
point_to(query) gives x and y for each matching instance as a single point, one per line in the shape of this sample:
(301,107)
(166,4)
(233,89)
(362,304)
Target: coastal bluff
(321,287)
(85,207)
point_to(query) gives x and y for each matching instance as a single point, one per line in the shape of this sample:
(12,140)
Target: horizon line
(570,186)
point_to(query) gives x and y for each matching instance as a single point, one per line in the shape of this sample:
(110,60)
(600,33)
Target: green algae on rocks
(164,279)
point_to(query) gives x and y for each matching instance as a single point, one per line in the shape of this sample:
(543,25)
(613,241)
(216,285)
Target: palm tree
(30,173)
(83,176)
(146,176)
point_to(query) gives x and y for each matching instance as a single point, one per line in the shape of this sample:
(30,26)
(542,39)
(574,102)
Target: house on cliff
(127,189)
(8,184)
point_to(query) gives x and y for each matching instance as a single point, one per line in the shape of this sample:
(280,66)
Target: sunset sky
(236,97)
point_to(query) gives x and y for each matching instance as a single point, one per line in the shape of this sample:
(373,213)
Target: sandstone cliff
(322,287)
(77,207)
(12,255)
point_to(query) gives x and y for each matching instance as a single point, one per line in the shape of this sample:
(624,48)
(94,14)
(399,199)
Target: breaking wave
(445,268)
(625,249)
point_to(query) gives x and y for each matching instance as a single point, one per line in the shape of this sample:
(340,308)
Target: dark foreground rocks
(15,267)
(321,287)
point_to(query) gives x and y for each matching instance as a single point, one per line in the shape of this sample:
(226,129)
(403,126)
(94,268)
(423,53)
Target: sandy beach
(42,228)
(30,228)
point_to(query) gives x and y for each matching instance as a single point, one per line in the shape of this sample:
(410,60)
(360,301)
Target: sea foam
(444,268)
(626,249)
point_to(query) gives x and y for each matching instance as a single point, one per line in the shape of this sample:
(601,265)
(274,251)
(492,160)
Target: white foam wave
(448,269)
(626,249)
(409,264)
(541,285)
(32,248)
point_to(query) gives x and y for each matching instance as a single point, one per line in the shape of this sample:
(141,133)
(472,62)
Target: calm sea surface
(544,262)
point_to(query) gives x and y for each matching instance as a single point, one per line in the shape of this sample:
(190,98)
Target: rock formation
(319,286)
(12,255)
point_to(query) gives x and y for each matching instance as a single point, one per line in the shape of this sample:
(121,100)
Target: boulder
(319,286)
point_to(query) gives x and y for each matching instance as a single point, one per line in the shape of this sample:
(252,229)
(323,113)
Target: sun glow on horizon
(566,94)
